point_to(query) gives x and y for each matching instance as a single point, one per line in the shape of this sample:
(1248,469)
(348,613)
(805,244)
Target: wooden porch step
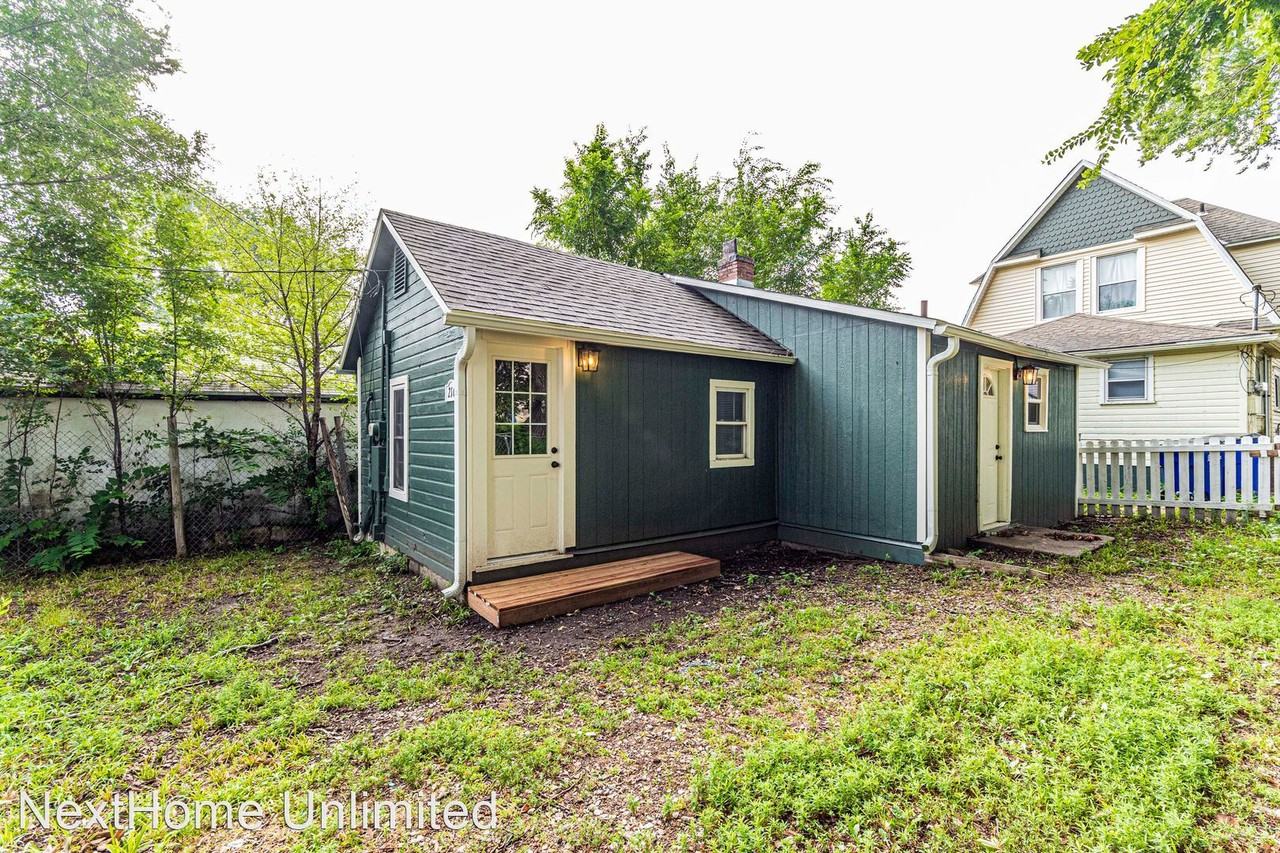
(520,600)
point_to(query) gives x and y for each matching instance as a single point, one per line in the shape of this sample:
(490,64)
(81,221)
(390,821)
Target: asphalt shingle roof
(476,271)
(1079,333)
(1231,226)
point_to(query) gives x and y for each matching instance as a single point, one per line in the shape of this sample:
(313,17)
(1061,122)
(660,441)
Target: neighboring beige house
(1180,296)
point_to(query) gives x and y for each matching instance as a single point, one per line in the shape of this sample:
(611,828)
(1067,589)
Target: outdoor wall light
(1028,373)
(588,358)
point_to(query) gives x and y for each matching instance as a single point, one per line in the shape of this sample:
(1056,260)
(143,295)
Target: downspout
(931,443)
(460,562)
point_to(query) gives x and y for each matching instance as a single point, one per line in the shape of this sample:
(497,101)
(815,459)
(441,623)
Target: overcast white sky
(936,118)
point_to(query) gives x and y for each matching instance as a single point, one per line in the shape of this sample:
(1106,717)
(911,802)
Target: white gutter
(460,562)
(931,459)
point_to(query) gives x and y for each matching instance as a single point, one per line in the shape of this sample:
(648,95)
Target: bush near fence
(61,504)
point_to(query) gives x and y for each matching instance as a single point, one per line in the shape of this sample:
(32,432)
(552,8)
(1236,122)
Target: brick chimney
(735,268)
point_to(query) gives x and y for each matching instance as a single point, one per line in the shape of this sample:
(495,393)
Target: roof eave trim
(383,222)
(1253,241)
(982,339)
(1210,343)
(524,325)
(807,302)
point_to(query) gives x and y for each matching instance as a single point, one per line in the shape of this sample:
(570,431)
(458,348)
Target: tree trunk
(175,491)
(117,460)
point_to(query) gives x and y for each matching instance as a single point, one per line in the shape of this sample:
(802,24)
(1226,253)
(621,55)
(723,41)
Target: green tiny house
(524,410)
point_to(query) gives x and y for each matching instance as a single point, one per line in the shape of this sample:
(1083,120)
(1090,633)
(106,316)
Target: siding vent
(400,274)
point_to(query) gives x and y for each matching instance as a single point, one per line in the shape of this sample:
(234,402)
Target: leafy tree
(187,302)
(603,201)
(295,253)
(869,266)
(779,216)
(1192,76)
(606,208)
(81,159)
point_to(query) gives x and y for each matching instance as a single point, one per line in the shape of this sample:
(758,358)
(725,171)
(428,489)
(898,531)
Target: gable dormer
(1111,248)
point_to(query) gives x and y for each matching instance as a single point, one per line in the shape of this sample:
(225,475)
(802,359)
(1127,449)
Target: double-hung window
(733,428)
(1036,403)
(398,446)
(1116,287)
(1058,287)
(1128,380)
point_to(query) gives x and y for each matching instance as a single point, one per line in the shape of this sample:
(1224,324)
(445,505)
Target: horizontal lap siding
(643,424)
(847,456)
(1195,393)
(424,348)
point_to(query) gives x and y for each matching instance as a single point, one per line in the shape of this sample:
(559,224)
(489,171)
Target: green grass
(1128,704)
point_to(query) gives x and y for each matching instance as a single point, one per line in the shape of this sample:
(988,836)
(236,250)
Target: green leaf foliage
(608,208)
(1195,77)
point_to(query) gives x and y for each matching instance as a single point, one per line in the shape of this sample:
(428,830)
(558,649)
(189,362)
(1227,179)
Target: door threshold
(520,560)
(996,527)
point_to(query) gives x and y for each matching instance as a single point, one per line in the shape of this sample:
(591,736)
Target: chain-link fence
(83,482)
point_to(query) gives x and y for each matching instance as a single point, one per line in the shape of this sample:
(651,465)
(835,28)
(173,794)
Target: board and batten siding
(643,448)
(1195,394)
(1186,282)
(422,347)
(848,442)
(1044,477)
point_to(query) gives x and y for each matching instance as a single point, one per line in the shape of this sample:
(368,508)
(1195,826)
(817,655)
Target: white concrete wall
(79,426)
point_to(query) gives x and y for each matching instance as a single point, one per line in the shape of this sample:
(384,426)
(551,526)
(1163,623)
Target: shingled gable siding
(424,348)
(643,455)
(1043,462)
(1103,212)
(847,453)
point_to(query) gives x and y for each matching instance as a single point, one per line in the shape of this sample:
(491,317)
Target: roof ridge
(548,249)
(1151,323)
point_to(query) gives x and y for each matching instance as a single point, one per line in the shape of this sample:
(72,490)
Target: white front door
(995,436)
(524,451)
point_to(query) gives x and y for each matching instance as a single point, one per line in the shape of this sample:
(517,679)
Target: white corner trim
(931,443)
(461,517)
(400,382)
(748,457)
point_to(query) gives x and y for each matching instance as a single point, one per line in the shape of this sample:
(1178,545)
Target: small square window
(732,436)
(1128,380)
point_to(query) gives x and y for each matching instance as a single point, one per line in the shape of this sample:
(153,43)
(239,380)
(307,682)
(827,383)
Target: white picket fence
(1188,478)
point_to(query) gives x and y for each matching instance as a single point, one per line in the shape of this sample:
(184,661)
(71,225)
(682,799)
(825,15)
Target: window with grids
(399,449)
(1036,403)
(732,423)
(1128,380)
(1057,291)
(1117,281)
(520,408)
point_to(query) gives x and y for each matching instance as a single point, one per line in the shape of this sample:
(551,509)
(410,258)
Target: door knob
(555,464)
(999,457)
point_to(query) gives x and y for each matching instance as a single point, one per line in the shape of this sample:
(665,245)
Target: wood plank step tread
(520,600)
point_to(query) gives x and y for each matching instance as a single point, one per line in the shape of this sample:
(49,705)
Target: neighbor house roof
(1231,226)
(1085,333)
(476,274)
